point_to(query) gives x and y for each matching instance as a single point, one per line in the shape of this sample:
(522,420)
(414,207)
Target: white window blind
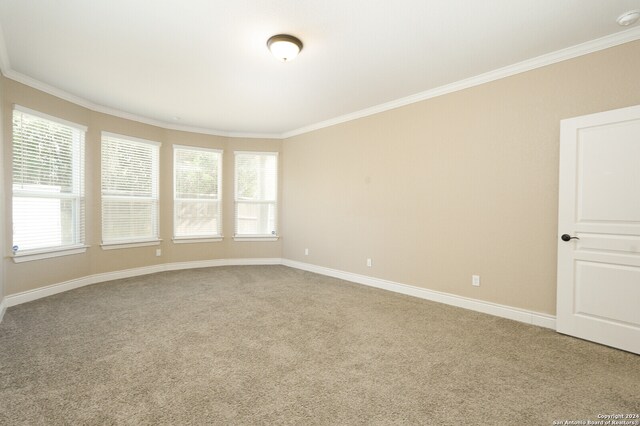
(48,183)
(197,174)
(256,188)
(129,190)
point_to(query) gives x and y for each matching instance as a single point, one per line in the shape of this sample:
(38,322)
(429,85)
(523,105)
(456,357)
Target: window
(48,184)
(129,190)
(256,188)
(197,174)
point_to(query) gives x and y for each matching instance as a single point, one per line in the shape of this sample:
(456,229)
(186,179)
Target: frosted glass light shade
(284,47)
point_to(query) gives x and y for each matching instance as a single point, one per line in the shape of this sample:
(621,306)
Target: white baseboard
(221,262)
(3,307)
(38,293)
(529,317)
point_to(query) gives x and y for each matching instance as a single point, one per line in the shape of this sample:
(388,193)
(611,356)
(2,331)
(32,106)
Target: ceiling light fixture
(628,18)
(285,47)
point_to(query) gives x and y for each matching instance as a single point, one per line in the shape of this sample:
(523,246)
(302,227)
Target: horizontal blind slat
(129,189)
(48,183)
(197,189)
(256,183)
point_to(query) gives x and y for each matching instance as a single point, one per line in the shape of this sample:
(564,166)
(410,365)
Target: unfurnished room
(412,212)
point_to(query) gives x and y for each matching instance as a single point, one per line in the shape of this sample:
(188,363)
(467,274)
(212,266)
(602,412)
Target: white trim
(122,245)
(274,201)
(28,256)
(136,144)
(50,290)
(3,307)
(497,74)
(59,93)
(218,199)
(521,315)
(571,52)
(33,112)
(127,138)
(257,152)
(254,238)
(529,317)
(192,240)
(572,178)
(5,64)
(197,148)
(223,262)
(573,124)
(30,295)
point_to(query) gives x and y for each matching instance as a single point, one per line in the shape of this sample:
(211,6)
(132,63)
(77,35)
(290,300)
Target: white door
(599,270)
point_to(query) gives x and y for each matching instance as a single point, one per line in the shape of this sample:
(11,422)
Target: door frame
(567,197)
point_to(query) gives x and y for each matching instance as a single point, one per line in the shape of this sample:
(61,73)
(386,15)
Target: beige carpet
(274,345)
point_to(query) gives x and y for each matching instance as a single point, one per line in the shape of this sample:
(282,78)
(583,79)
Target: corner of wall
(3,304)
(3,307)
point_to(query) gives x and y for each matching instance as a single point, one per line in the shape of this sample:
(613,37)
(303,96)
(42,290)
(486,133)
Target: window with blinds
(197,187)
(129,190)
(48,183)
(256,189)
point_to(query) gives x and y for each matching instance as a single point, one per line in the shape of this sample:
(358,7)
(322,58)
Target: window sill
(29,256)
(131,244)
(193,240)
(255,238)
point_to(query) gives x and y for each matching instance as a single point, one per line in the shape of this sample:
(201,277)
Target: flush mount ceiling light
(285,47)
(628,18)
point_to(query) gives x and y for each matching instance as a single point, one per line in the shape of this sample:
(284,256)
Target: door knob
(567,237)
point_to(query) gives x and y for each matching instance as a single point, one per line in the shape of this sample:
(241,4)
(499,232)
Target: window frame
(155,167)
(78,169)
(218,236)
(255,237)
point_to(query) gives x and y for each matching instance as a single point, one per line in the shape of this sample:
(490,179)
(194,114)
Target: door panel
(599,272)
(609,242)
(596,282)
(608,165)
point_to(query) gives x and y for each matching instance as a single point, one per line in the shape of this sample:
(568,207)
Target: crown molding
(520,67)
(5,65)
(59,93)
(581,49)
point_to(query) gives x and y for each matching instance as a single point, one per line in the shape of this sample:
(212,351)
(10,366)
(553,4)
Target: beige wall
(433,192)
(2,200)
(35,274)
(462,184)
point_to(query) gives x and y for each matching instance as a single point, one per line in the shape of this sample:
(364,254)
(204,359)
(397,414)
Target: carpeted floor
(274,345)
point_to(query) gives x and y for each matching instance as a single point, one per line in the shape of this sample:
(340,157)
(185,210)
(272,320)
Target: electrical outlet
(369,263)
(475,280)
(306,252)
(158,252)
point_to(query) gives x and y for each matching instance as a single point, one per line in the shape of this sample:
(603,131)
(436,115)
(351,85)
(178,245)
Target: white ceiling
(206,61)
